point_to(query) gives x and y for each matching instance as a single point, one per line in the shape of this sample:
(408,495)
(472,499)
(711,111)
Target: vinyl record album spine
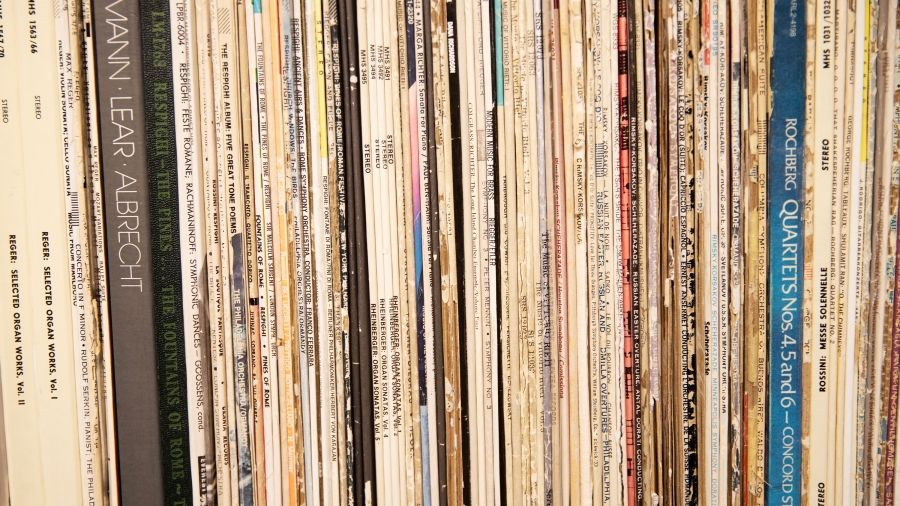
(836,280)
(196,143)
(133,367)
(84,319)
(846,349)
(444,29)
(105,396)
(19,381)
(367,97)
(339,246)
(737,128)
(855,381)
(786,127)
(510,349)
(756,257)
(222,414)
(381,230)
(363,471)
(891,112)
(464,25)
(652,457)
(879,194)
(302,255)
(257,303)
(412,442)
(356,310)
(389,308)
(46,159)
(425,248)
(302,231)
(278,355)
(324,209)
(687,39)
(572,35)
(258,76)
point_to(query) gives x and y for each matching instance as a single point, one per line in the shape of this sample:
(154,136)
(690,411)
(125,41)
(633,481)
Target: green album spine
(162,169)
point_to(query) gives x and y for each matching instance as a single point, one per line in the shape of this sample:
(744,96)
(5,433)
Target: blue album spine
(786,124)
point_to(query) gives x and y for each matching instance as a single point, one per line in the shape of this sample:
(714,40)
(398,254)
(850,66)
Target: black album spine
(361,466)
(634,148)
(456,120)
(434,217)
(339,76)
(162,172)
(127,202)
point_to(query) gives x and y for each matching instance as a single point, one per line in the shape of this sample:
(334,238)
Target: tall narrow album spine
(126,194)
(786,127)
(165,251)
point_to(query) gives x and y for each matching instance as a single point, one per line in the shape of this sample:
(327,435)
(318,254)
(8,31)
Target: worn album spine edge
(302,260)
(105,395)
(317,290)
(891,155)
(737,127)
(345,447)
(590,472)
(348,86)
(688,51)
(723,225)
(880,289)
(652,421)
(339,245)
(473,144)
(610,255)
(636,163)
(859,227)
(223,53)
(489,206)
(450,239)
(708,324)
(868,375)
(84,321)
(463,28)
(282,336)
(323,219)
(534,373)
(563,217)
(302,223)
